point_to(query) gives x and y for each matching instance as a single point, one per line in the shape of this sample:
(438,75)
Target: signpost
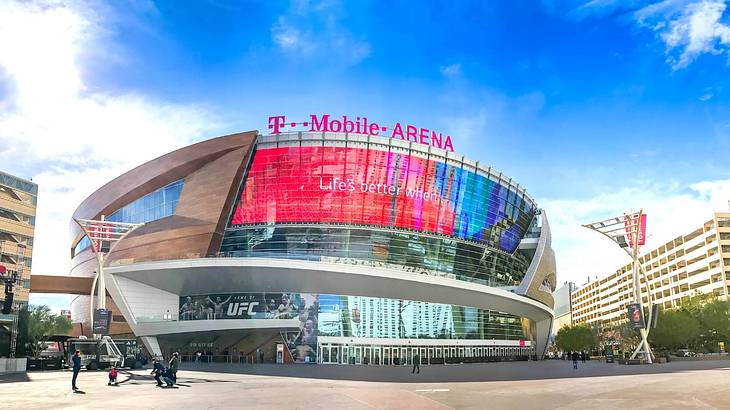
(103,235)
(609,354)
(629,232)
(636,316)
(102,321)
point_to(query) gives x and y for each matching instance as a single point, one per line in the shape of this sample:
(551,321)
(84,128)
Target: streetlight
(102,233)
(629,231)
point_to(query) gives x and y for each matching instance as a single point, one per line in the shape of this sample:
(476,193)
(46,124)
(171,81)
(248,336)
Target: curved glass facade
(358,317)
(155,205)
(348,199)
(413,252)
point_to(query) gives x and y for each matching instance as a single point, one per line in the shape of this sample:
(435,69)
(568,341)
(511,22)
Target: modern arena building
(322,247)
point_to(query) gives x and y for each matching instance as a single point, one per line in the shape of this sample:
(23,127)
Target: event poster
(302,343)
(239,306)
(339,184)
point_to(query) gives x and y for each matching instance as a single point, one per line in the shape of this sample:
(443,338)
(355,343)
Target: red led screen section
(334,184)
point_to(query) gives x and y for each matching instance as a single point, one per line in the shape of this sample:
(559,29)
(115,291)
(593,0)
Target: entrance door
(377,355)
(430,354)
(335,354)
(386,355)
(405,356)
(345,354)
(367,356)
(422,355)
(358,354)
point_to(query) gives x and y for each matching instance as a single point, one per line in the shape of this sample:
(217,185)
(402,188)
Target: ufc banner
(239,306)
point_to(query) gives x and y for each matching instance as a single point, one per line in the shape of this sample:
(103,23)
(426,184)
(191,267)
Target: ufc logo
(237,309)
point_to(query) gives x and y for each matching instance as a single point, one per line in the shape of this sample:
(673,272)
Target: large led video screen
(349,185)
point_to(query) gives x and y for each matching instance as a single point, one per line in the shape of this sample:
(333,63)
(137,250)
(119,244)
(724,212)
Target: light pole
(627,232)
(100,233)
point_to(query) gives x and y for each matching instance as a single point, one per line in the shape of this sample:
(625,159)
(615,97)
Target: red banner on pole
(631,223)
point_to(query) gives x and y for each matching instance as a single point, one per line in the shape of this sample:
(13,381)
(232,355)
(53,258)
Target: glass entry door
(367,356)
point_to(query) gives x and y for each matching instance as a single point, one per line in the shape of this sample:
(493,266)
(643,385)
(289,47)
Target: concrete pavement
(523,385)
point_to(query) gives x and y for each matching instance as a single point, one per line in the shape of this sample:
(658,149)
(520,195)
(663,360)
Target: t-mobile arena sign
(362,125)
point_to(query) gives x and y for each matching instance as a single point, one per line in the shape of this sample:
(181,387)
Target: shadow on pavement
(14,377)
(481,372)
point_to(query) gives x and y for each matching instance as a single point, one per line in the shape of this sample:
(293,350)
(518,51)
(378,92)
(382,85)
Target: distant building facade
(694,263)
(18,201)
(563,306)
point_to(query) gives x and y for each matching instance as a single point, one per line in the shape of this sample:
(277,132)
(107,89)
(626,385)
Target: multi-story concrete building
(18,198)
(698,262)
(563,306)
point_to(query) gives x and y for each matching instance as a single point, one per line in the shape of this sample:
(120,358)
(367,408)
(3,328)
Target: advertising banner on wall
(239,306)
(636,315)
(302,343)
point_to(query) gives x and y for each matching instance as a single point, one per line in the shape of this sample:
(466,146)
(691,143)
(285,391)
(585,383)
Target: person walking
(416,363)
(174,363)
(583,357)
(575,360)
(76,362)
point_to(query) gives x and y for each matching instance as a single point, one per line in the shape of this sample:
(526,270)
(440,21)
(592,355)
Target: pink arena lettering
(362,125)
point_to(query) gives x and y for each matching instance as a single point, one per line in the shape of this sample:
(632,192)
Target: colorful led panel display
(348,185)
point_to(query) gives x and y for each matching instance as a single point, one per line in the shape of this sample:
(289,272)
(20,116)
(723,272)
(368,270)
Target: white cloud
(688,30)
(671,211)
(313,29)
(73,139)
(285,35)
(451,71)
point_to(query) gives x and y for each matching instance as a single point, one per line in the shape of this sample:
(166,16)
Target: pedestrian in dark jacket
(416,363)
(76,362)
(157,369)
(575,360)
(583,357)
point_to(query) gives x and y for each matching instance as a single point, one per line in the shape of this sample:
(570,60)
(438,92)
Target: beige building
(698,262)
(18,198)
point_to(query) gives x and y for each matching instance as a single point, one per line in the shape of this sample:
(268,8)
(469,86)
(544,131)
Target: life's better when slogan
(351,185)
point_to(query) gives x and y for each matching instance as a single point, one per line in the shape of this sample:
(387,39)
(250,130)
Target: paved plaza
(523,385)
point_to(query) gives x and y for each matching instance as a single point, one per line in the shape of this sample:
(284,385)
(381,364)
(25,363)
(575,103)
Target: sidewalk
(477,372)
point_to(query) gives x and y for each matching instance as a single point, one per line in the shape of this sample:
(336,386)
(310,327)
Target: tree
(575,338)
(713,317)
(675,329)
(714,323)
(43,323)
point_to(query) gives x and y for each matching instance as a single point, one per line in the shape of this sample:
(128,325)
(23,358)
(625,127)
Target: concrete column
(543,327)
(150,342)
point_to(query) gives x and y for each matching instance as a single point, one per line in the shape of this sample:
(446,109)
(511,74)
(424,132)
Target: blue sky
(596,107)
